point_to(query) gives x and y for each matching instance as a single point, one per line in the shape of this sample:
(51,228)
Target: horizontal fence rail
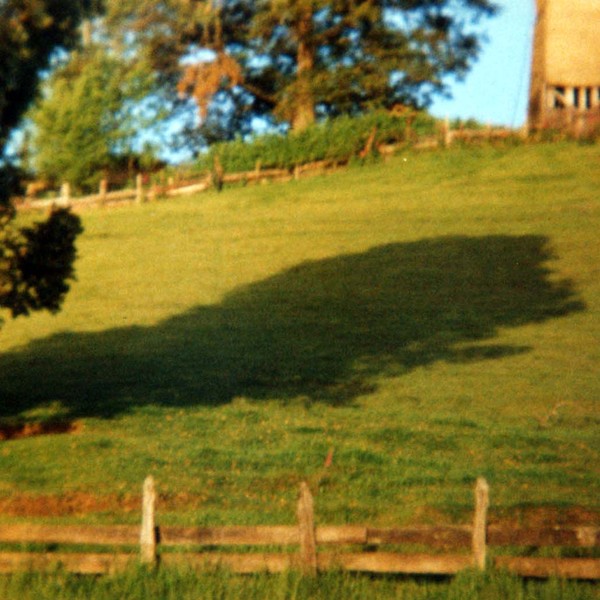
(305,546)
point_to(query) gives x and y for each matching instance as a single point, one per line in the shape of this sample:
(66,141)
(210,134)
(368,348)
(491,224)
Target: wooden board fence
(305,546)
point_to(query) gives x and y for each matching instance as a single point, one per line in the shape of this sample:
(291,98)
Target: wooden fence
(303,546)
(218,178)
(141,193)
(64,198)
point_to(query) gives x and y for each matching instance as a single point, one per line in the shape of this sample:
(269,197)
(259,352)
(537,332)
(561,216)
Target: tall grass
(177,585)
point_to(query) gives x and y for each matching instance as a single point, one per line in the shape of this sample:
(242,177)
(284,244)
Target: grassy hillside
(431,319)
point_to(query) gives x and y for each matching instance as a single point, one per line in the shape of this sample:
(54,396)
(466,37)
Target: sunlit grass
(430,319)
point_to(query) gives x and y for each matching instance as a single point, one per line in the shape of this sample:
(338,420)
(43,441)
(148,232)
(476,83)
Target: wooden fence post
(65,193)
(148,530)
(482,502)
(218,173)
(524,131)
(306,528)
(139,190)
(103,189)
(447,133)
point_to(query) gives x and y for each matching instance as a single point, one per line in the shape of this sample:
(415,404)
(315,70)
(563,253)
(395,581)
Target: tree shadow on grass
(322,330)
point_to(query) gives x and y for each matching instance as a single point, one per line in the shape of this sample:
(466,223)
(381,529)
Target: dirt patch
(82,503)
(545,516)
(12,431)
(77,503)
(527,516)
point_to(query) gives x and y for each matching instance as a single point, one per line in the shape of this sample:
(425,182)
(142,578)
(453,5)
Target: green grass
(180,585)
(431,319)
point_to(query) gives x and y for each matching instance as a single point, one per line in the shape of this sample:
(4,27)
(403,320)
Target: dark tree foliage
(37,261)
(301,59)
(30,31)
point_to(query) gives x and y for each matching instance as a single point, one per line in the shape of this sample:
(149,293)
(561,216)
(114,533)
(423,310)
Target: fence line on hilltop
(218,178)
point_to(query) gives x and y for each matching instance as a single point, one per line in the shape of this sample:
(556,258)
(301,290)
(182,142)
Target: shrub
(336,140)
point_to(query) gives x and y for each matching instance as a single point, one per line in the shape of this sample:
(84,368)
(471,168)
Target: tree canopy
(35,262)
(88,116)
(30,32)
(297,60)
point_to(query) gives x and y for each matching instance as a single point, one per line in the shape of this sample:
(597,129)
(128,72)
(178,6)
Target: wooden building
(565,74)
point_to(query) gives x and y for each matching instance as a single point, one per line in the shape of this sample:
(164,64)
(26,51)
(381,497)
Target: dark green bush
(337,140)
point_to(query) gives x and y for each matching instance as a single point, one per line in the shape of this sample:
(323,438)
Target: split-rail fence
(218,178)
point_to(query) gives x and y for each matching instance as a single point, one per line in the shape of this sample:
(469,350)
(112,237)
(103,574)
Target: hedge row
(338,140)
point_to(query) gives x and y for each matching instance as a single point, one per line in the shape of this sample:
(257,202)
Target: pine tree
(301,59)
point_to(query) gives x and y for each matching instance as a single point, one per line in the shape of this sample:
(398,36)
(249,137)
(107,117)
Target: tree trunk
(304,103)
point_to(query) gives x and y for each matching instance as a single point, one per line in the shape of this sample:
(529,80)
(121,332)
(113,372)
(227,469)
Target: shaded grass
(431,320)
(322,329)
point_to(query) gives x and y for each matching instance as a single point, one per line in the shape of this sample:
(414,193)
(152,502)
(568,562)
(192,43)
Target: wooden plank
(459,536)
(322,165)
(371,562)
(46,203)
(374,562)
(451,536)
(306,528)
(88,563)
(259,535)
(254,175)
(238,563)
(239,177)
(189,189)
(572,568)
(391,562)
(341,534)
(582,536)
(127,194)
(485,134)
(91,199)
(70,534)
(270,173)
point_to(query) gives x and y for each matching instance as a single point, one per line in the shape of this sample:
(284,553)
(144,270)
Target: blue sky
(495,90)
